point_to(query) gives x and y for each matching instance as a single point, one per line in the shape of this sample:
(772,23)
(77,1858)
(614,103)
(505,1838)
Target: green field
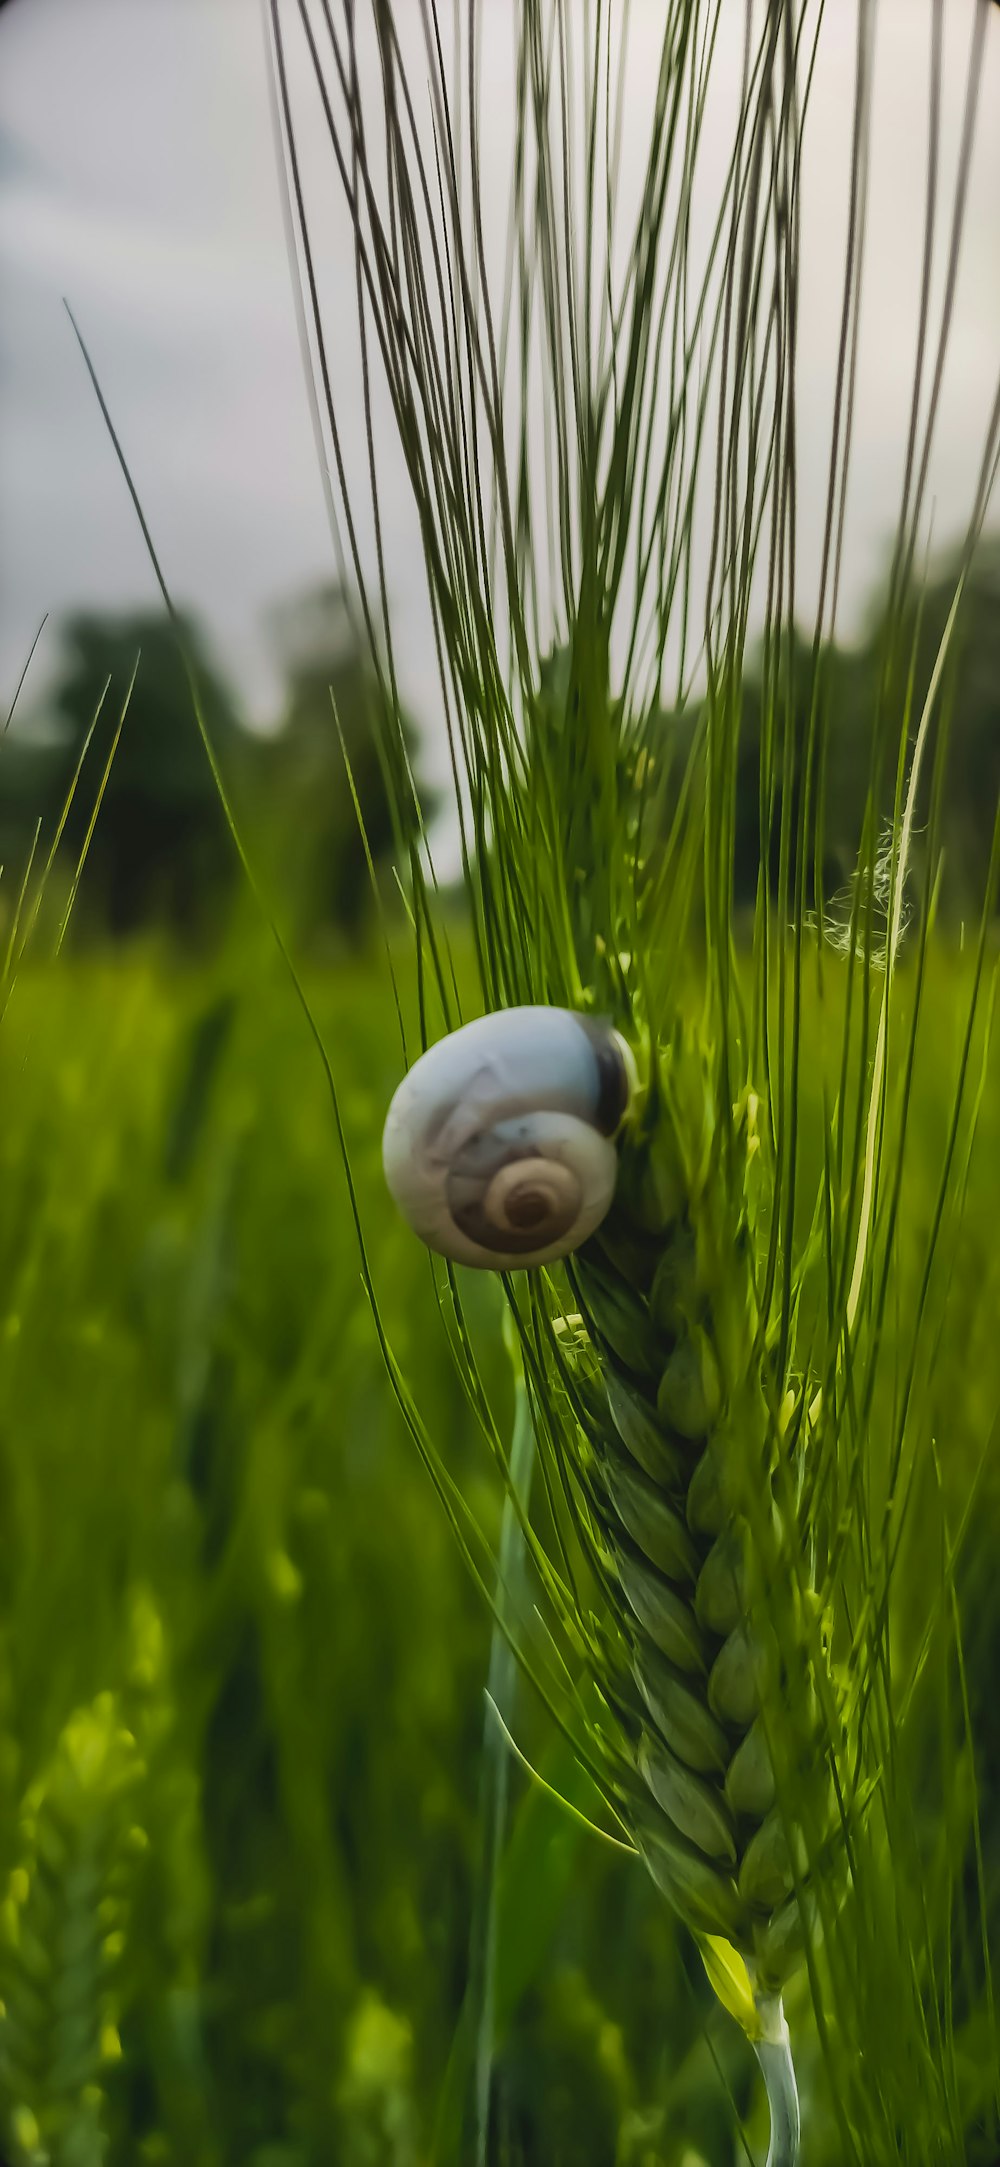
(241,1662)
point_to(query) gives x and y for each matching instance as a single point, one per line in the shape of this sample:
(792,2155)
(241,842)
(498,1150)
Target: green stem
(774,2053)
(511,1560)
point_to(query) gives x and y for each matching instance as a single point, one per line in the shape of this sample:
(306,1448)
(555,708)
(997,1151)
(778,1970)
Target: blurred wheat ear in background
(726,1380)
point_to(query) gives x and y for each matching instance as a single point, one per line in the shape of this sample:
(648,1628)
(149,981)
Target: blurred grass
(241,1666)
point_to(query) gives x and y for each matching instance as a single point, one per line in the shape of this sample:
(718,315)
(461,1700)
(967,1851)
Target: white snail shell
(498,1143)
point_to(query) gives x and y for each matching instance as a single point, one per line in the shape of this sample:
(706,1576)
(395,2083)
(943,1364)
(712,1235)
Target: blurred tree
(970,699)
(852,686)
(778,691)
(160,852)
(334,706)
(160,849)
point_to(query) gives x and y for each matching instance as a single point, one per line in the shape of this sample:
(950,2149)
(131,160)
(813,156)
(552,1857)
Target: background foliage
(241,1666)
(160,854)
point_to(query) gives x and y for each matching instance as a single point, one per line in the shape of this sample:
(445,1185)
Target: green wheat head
(64,1929)
(730,1434)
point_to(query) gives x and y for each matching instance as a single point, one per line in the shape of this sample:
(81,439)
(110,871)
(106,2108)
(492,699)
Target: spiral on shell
(498,1145)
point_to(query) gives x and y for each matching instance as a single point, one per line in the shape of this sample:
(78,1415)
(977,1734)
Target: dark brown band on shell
(612,1075)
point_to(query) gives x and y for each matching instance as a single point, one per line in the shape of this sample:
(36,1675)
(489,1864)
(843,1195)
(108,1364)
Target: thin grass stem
(495,1775)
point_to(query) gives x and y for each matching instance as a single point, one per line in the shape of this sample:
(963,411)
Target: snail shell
(498,1143)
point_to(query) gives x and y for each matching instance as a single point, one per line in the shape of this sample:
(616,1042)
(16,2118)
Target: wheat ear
(721,1713)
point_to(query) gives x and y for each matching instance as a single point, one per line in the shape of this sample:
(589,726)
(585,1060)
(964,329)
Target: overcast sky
(137,177)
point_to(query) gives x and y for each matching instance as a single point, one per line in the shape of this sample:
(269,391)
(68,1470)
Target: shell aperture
(498,1143)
